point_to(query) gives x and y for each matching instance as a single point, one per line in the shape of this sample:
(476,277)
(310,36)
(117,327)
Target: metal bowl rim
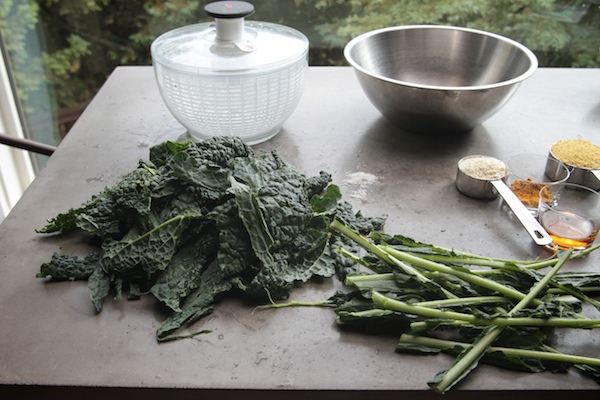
(530,55)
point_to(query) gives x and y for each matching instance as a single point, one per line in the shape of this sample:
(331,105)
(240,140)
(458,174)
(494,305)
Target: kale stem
(577,293)
(422,326)
(361,240)
(467,276)
(462,301)
(396,305)
(447,259)
(467,360)
(352,279)
(324,303)
(508,351)
(422,279)
(372,313)
(559,289)
(449,256)
(358,260)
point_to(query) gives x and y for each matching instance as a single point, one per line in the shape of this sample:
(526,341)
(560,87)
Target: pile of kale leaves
(203,219)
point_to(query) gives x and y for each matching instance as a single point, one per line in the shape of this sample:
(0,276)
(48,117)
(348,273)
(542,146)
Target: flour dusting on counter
(362,181)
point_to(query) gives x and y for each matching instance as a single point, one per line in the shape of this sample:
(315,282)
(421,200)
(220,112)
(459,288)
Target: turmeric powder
(529,192)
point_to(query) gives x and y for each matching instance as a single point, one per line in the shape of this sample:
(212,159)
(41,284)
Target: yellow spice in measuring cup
(577,152)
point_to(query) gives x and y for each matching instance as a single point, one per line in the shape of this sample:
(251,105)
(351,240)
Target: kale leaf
(69,268)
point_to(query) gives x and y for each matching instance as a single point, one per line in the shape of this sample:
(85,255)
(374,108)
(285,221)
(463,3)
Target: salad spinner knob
(229,9)
(229,18)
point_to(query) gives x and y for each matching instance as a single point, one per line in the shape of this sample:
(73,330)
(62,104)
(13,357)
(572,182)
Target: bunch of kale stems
(201,220)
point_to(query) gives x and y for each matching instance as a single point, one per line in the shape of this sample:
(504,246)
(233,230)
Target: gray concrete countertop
(52,342)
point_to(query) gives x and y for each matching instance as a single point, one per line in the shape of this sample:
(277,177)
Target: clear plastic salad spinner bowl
(231,77)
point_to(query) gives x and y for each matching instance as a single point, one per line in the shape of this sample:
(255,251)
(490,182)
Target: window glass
(61,51)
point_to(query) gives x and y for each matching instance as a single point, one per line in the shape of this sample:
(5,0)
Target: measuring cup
(490,184)
(579,175)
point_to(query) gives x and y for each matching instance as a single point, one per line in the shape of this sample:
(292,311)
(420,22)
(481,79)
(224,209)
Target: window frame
(16,167)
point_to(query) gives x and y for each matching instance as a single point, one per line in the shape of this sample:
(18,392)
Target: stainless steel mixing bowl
(438,79)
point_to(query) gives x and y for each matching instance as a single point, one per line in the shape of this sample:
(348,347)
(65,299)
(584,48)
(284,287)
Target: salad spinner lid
(230,43)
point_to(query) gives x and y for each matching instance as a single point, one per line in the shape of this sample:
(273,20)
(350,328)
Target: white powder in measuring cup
(482,167)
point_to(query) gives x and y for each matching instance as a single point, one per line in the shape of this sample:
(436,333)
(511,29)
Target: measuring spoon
(485,188)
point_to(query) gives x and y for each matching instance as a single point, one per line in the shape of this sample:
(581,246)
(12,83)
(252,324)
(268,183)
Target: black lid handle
(229,9)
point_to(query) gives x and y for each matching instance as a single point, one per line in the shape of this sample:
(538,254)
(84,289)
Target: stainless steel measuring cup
(488,183)
(579,175)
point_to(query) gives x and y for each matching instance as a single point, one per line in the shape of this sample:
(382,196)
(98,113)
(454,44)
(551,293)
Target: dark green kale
(200,220)
(115,211)
(61,268)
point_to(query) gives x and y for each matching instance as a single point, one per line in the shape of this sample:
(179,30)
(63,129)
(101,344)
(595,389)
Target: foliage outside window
(63,50)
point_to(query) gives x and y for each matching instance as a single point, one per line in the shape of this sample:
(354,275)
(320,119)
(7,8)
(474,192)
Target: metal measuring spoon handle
(529,222)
